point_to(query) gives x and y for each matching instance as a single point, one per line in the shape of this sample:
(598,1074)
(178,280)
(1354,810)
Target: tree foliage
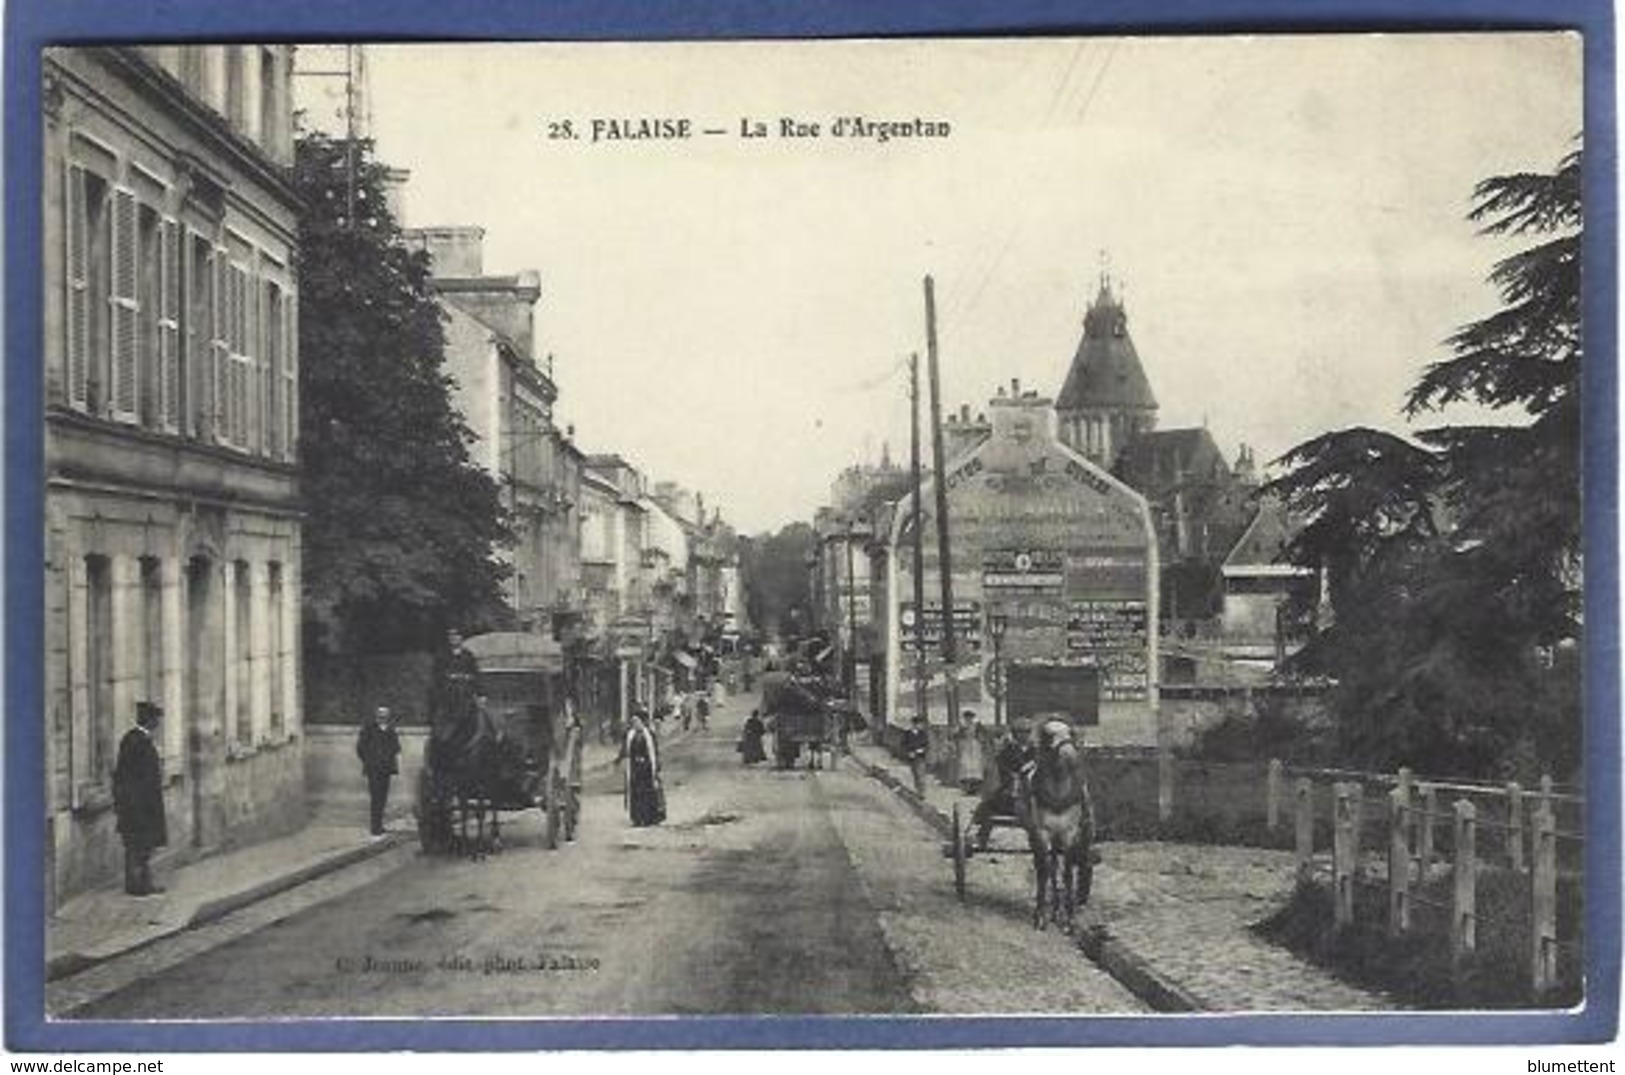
(774,567)
(1453,559)
(400,524)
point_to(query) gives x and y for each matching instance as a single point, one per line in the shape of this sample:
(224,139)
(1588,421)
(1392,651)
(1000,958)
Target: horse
(1055,810)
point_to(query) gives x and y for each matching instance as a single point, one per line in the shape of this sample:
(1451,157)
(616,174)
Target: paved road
(765,892)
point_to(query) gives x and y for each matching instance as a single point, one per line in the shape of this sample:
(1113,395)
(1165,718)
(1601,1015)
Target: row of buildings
(1093,554)
(172,508)
(632,578)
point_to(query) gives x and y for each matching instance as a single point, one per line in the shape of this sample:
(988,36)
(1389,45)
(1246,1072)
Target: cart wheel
(572,814)
(959,853)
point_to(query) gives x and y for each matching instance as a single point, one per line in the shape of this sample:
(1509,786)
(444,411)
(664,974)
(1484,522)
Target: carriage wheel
(959,853)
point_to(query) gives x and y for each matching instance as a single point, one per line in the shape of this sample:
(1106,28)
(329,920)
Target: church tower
(1106,401)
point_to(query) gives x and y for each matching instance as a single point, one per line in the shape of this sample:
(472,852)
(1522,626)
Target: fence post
(1399,861)
(1304,818)
(1345,849)
(1515,825)
(1426,815)
(1543,902)
(1463,903)
(1272,795)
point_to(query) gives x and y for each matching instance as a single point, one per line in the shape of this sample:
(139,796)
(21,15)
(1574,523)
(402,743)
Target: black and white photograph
(1075,526)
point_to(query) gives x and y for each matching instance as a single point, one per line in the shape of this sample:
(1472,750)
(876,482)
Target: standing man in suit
(378,746)
(138,800)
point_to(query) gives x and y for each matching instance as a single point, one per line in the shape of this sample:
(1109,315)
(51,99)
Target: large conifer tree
(1454,558)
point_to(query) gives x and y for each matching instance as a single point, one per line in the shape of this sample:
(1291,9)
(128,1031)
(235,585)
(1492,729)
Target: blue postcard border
(33,24)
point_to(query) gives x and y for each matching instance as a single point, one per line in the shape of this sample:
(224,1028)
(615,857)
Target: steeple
(1106,399)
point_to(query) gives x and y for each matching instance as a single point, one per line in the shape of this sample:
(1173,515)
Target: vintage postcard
(1065,526)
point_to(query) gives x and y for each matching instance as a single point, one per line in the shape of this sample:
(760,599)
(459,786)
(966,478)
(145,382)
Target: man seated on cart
(1013,754)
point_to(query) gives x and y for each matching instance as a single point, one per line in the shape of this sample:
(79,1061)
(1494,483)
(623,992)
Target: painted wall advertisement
(1060,562)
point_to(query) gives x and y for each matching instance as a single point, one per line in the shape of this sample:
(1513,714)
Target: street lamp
(997,623)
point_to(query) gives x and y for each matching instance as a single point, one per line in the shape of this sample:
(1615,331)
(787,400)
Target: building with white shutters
(171,411)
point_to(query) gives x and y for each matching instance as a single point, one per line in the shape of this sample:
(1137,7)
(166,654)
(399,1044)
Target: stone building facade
(171,501)
(507,398)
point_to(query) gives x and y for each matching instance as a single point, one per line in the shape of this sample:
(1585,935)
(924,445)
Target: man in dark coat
(916,744)
(138,800)
(378,747)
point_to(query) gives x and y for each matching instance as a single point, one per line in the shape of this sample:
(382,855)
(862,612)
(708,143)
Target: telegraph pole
(349,137)
(945,564)
(917,538)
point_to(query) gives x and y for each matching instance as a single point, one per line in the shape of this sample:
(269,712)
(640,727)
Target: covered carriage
(799,710)
(499,742)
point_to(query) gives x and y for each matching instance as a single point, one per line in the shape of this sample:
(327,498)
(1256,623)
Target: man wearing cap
(1013,756)
(138,800)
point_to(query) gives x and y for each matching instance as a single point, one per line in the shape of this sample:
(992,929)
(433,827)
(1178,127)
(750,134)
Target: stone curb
(1127,967)
(211,910)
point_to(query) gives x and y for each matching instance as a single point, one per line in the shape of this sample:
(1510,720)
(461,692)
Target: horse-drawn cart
(497,743)
(1034,780)
(799,711)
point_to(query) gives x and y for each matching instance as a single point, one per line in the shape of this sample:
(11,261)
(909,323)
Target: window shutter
(218,388)
(239,357)
(125,306)
(169,306)
(76,369)
(254,361)
(290,375)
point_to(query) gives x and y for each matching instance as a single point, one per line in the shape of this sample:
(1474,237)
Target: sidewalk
(98,926)
(1170,920)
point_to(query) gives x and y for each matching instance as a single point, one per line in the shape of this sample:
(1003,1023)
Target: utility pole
(945,564)
(349,137)
(917,538)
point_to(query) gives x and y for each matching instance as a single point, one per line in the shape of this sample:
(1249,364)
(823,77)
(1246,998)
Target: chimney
(1015,387)
(964,412)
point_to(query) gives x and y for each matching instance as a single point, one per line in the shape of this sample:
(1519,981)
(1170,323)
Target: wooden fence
(1416,838)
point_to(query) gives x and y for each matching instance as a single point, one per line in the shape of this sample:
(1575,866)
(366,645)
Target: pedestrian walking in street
(138,800)
(640,752)
(750,742)
(378,746)
(686,706)
(968,753)
(574,737)
(916,743)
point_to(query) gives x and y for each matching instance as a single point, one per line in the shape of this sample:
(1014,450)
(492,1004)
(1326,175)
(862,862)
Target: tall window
(146,368)
(242,593)
(271,379)
(89,277)
(197,337)
(99,643)
(278,654)
(152,630)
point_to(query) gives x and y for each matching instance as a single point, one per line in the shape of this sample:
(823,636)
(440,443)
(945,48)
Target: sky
(1285,218)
